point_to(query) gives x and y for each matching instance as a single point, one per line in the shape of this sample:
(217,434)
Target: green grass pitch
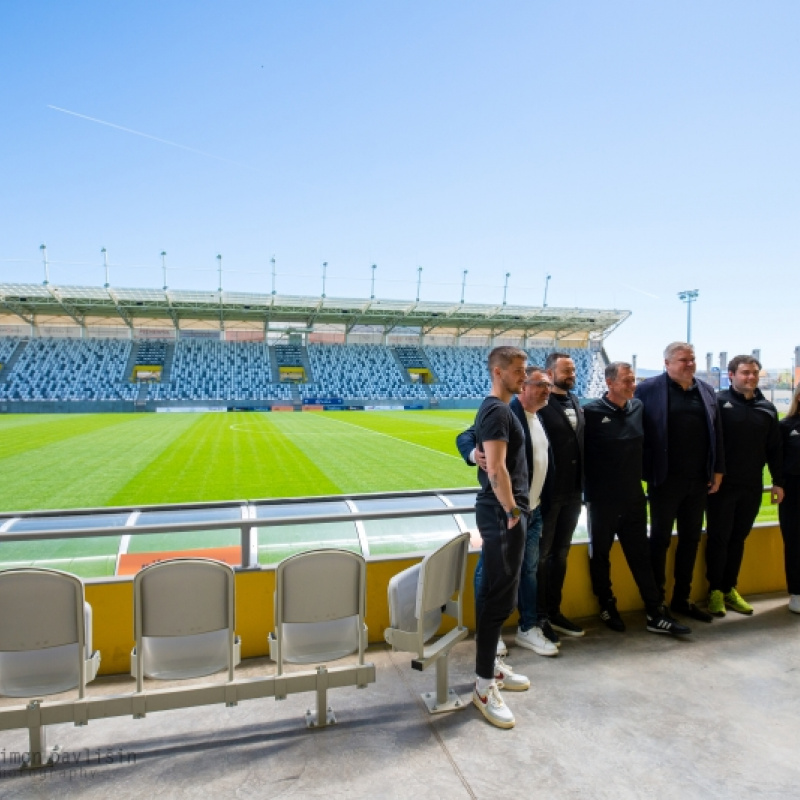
(78,461)
(93,460)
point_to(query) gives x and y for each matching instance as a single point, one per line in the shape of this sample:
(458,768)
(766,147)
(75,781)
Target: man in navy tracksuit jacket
(683,463)
(752,439)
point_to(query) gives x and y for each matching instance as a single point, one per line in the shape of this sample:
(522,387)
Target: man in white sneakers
(501,510)
(532,398)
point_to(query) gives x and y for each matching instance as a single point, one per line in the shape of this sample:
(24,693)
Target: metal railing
(247,525)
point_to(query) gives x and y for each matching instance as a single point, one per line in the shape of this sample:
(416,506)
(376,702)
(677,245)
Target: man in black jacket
(683,464)
(752,439)
(563,422)
(615,500)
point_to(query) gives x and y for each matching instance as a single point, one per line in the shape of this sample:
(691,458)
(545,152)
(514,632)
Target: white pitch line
(393,438)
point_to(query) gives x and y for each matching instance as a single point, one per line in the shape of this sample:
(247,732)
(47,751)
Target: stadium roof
(84,303)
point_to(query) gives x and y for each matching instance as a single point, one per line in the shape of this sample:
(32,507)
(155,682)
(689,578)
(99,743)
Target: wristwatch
(515,513)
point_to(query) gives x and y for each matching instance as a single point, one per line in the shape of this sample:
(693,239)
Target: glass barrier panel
(69,523)
(94,557)
(466,499)
(275,544)
(189,541)
(283,510)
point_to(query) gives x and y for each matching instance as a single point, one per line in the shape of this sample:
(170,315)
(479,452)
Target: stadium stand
(248,372)
(7,346)
(411,357)
(214,370)
(357,371)
(69,369)
(462,370)
(288,355)
(152,353)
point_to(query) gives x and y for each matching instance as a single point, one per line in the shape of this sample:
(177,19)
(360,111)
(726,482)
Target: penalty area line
(393,438)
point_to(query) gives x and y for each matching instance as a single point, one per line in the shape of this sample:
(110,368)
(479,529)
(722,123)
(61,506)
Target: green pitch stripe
(427,429)
(358,459)
(27,433)
(86,462)
(230,456)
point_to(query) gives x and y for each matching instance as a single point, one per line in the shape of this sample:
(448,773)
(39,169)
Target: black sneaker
(611,617)
(563,625)
(663,623)
(549,633)
(688,609)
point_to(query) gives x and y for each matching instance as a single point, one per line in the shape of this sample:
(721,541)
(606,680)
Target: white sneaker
(508,679)
(794,603)
(502,650)
(533,639)
(493,707)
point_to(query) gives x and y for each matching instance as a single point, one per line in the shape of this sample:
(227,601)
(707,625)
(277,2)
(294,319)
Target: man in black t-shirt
(501,509)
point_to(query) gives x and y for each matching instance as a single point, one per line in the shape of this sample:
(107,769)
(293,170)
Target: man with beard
(563,422)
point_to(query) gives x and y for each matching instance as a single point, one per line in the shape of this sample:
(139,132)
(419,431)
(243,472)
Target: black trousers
(628,521)
(501,556)
(730,516)
(682,501)
(789,516)
(558,526)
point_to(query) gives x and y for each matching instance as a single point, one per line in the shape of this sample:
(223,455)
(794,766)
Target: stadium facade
(81,348)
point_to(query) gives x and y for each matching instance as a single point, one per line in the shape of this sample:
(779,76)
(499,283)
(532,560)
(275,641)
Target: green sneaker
(736,602)
(716,603)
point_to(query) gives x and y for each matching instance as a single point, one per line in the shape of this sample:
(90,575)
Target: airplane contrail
(146,135)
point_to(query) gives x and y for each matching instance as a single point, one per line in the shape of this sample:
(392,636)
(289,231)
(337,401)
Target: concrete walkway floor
(633,715)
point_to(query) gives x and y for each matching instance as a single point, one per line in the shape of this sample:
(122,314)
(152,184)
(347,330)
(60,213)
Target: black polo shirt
(687,432)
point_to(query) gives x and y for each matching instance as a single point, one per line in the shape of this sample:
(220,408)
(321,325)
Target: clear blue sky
(629,149)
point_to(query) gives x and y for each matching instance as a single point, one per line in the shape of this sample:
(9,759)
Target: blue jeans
(528,587)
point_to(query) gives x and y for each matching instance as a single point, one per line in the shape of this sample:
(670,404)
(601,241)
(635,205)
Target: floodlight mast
(419,280)
(105,265)
(372,293)
(546,284)
(505,288)
(164,267)
(43,248)
(689,296)
(463,285)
